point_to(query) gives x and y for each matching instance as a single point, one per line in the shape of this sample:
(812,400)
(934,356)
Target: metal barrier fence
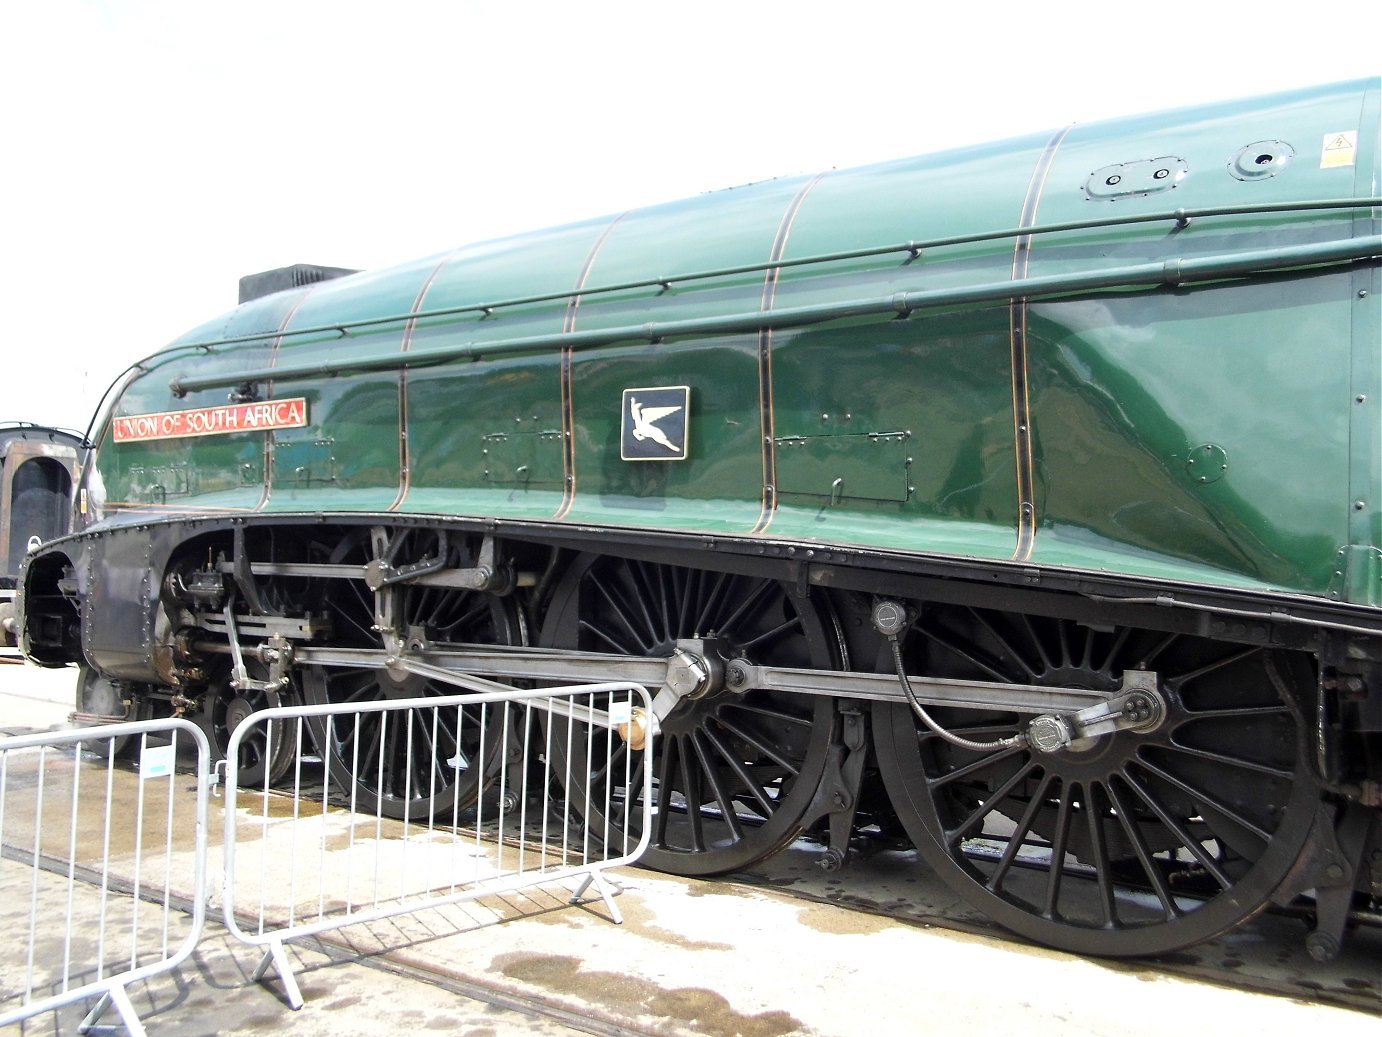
(93,860)
(425,802)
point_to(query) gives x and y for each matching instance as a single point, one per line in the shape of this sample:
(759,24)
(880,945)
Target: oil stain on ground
(693,1008)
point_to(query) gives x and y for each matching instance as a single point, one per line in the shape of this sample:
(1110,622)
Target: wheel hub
(695,679)
(238,710)
(395,682)
(1137,709)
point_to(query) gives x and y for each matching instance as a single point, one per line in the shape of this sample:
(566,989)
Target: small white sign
(1340,149)
(156,761)
(620,712)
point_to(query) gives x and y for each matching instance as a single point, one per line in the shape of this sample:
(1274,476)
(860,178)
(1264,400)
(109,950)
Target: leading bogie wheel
(267,749)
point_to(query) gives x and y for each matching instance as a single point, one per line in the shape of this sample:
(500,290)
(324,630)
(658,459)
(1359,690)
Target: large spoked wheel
(418,763)
(732,774)
(407,764)
(1137,845)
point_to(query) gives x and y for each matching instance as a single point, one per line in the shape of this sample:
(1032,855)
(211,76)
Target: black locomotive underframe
(95,578)
(109,598)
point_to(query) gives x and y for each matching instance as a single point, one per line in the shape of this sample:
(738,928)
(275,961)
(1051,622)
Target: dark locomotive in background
(39,468)
(1023,501)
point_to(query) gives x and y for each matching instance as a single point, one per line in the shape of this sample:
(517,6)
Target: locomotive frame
(1031,607)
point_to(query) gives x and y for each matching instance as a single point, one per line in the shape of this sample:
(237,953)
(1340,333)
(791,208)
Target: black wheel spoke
(765,805)
(990,671)
(1204,799)
(641,640)
(772,715)
(608,641)
(1060,838)
(634,767)
(1231,760)
(976,766)
(1009,649)
(711,775)
(992,802)
(713,599)
(1086,659)
(762,743)
(1094,816)
(1182,679)
(666,764)
(1019,834)
(1237,712)
(642,595)
(368,759)
(1128,819)
(691,792)
(751,604)
(1148,659)
(1044,656)
(1183,837)
(1115,649)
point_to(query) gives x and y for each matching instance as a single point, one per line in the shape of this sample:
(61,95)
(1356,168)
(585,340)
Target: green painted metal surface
(1185,384)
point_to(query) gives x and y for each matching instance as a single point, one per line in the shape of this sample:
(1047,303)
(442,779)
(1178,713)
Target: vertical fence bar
(105,856)
(38,845)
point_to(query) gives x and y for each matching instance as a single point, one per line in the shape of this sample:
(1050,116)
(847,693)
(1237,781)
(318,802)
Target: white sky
(156,150)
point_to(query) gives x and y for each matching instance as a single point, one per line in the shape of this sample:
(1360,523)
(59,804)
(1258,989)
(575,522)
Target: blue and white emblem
(655,423)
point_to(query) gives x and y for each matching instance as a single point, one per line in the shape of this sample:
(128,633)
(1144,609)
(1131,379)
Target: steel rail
(1170,272)
(1182,218)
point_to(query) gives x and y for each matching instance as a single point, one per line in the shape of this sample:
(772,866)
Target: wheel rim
(420,763)
(1165,839)
(732,774)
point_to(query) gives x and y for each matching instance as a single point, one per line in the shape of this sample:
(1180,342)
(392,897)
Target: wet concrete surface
(1265,954)
(784,950)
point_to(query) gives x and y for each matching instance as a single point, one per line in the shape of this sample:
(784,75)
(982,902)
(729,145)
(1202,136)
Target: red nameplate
(213,421)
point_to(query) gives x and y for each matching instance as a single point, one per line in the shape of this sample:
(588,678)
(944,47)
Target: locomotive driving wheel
(1134,844)
(732,774)
(419,763)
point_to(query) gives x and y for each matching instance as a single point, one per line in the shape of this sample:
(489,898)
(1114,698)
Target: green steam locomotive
(1022,502)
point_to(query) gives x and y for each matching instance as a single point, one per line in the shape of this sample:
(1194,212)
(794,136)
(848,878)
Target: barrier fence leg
(606,893)
(278,958)
(115,995)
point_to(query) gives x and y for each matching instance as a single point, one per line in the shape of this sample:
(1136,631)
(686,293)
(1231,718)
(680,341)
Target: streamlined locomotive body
(1022,502)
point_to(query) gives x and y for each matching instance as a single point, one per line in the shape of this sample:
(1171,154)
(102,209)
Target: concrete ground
(693,958)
